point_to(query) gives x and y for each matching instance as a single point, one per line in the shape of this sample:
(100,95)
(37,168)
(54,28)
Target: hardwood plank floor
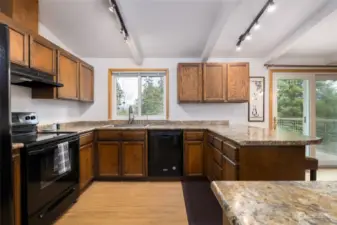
(129,203)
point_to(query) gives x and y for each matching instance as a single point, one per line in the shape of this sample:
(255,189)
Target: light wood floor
(129,203)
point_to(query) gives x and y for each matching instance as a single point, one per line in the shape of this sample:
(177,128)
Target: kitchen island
(297,202)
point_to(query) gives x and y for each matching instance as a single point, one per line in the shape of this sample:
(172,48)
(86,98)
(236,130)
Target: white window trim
(138,74)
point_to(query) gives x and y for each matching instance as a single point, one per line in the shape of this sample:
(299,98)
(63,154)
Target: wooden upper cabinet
(24,12)
(193,158)
(68,71)
(238,82)
(42,55)
(108,159)
(215,82)
(86,83)
(189,82)
(133,159)
(18,45)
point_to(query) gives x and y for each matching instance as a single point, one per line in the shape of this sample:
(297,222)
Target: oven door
(45,180)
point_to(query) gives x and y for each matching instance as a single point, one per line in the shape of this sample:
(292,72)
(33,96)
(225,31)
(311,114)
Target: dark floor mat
(201,205)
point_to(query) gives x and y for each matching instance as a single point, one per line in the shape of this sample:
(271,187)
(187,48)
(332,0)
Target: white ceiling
(187,28)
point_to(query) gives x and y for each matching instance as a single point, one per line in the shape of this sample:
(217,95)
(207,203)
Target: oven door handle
(40,151)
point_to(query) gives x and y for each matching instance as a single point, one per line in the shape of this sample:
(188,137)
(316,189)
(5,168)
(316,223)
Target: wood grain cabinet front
(133,159)
(86,165)
(68,69)
(42,55)
(86,84)
(215,82)
(238,82)
(193,158)
(189,82)
(17,188)
(108,159)
(18,46)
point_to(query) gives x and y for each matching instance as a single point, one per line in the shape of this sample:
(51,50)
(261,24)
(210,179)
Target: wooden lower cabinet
(133,159)
(86,165)
(108,159)
(229,169)
(17,189)
(193,158)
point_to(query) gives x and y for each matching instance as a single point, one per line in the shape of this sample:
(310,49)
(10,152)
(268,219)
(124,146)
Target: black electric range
(47,191)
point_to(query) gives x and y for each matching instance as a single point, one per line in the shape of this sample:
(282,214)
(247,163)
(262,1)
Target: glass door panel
(326,119)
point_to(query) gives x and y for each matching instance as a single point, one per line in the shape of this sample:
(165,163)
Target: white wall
(235,112)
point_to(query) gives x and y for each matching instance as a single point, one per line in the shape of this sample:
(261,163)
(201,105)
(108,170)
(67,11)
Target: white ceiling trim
(282,47)
(133,43)
(214,35)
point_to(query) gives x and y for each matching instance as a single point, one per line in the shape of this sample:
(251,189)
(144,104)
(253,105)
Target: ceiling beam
(284,45)
(216,31)
(132,43)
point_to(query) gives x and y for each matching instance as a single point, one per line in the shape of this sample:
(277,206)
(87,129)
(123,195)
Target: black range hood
(28,77)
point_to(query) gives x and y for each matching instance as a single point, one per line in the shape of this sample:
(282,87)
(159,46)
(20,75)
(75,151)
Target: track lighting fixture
(269,6)
(114,8)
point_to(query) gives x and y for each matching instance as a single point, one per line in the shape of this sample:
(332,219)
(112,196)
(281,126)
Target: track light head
(271,7)
(238,47)
(112,9)
(248,37)
(257,26)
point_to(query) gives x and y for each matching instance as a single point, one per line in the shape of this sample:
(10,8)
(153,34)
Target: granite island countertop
(284,202)
(239,134)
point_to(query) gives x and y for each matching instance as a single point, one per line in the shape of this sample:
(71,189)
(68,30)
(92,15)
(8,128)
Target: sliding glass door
(307,104)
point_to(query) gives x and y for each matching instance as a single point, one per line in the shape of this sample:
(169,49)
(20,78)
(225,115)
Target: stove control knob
(27,118)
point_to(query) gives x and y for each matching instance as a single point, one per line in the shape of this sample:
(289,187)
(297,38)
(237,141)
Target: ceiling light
(112,9)
(271,7)
(257,26)
(248,37)
(238,48)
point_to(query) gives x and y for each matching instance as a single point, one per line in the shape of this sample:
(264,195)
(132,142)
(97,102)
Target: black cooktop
(40,138)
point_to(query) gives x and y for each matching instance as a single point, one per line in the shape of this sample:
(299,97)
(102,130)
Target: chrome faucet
(133,115)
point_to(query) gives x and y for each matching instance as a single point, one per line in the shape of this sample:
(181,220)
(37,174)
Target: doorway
(306,103)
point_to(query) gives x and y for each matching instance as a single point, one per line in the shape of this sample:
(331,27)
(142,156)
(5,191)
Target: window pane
(126,95)
(152,96)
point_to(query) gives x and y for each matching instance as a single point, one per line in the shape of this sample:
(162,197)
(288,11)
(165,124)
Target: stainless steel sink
(129,125)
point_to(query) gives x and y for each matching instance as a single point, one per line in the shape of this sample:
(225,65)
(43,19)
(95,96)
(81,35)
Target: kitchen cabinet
(189,82)
(86,165)
(18,46)
(24,12)
(193,158)
(86,83)
(238,82)
(133,159)
(229,169)
(215,82)
(108,159)
(42,55)
(68,72)
(17,187)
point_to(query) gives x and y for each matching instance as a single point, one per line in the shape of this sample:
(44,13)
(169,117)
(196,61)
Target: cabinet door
(86,83)
(238,82)
(18,45)
(90,169)
(83,166)
(42,55)
(190,82)
(26,13)
(229,169)
(17,189)
(108,159)
(215,82)
(68,76)
(133,155)
(193,155)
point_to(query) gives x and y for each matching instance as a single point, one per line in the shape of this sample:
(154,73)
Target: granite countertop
(249,203)
(239,134)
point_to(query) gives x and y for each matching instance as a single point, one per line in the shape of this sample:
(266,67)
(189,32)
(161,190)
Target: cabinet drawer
(230,151)
(217,171)
(194,135)
(217,143)
(230,170)
(210,138)
(86,138)
(217,156)
(133,135)
(109,135)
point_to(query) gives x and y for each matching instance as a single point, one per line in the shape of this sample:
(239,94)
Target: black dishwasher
(165,153)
